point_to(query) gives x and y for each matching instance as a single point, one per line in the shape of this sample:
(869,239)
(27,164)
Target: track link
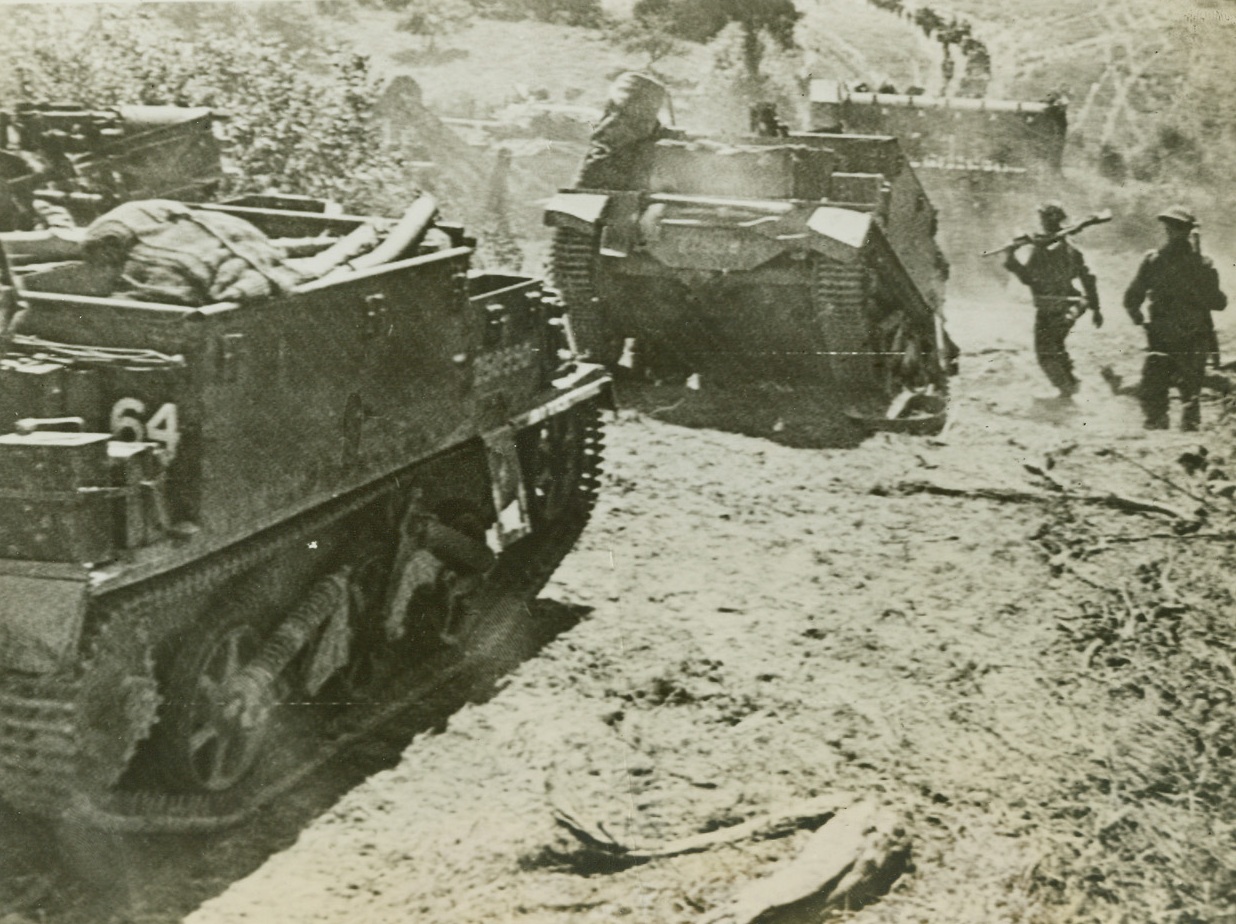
(573,258)
(65,742)
(38,747)
(867,358)
(839,296)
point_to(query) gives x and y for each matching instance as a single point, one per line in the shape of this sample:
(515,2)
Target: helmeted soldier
(620,149)
(1052,272)
(1183,288)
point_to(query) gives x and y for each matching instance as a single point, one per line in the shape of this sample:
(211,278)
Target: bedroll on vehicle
(806,260)
(210,509)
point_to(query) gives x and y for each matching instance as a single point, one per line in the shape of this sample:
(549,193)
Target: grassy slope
(1180,50)
(856,41)
(1052,42)
(1070,44)
(483,68)
(1086,49)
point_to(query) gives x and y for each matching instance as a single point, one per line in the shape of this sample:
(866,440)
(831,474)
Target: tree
(954,33)
(433,19)
(497,245)
(650,35)
(729,89)
(928,20)
(703,20)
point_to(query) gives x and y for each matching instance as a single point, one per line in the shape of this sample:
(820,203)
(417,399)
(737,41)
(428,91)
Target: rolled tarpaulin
(407,233)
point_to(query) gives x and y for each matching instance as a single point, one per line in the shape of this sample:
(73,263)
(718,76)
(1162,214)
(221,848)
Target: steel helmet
(639,90)
(1179,215)
(1052,209)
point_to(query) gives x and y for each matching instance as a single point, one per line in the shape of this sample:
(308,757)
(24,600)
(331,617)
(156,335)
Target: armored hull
(982,161)
(807,261)
(208,511)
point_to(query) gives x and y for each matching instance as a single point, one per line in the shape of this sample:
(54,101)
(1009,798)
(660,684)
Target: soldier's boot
(1154,408)
(1191,416)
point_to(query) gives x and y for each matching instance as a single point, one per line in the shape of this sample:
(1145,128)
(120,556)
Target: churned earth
(1015,635)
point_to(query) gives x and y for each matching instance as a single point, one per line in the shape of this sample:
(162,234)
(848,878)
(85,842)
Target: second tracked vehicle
(981,160)
(805,260)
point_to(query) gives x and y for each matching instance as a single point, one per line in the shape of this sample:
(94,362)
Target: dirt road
(976,630)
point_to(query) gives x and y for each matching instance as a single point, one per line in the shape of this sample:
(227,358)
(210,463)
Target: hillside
(1145,80)
(1103,55)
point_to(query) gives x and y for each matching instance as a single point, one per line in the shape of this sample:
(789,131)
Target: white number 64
(161,427)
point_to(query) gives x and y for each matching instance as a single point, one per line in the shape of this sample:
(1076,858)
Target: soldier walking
(1183,288)
(1050,272)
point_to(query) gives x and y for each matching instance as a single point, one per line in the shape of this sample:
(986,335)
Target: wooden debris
(600,843)
(1042,473)
(1226,536)
(1015,496)
(848,862)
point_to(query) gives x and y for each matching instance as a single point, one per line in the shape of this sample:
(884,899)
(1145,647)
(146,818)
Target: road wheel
(440,563)
(215,715)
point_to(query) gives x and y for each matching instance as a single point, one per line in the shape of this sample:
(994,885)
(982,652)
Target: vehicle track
(74,872)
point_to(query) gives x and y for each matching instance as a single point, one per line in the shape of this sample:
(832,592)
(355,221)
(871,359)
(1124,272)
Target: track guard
(577,211)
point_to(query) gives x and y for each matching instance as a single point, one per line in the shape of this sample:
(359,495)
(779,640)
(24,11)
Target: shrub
(1168,151)
(296,121)
(432,19)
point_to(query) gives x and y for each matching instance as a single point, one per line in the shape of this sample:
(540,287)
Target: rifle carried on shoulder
(1097,218)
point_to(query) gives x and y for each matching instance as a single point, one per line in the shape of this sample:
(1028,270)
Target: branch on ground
(1014,496)
(849,862)
(597,841)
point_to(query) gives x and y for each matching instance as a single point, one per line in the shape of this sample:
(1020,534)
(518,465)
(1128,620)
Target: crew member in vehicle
(21,173)
(621,148)
(1183,288)
(1052,272)
(766,123)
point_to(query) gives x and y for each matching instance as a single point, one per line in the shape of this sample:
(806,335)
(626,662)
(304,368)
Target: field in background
(491,64)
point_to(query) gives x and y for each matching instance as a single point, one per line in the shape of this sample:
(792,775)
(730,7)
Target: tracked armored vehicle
(807,260)
(208,511)
(981,160)
(84,161)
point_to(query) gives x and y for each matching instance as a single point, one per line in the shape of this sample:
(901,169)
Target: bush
(1111,164)
(433,19)
(1169,151)
(649,35)
(296,121)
